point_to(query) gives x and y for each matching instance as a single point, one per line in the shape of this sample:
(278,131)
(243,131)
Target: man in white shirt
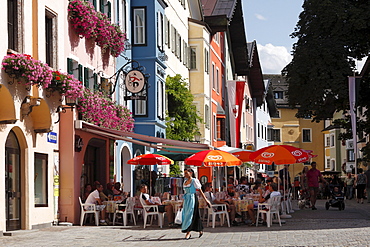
(229,203)
(161,208)
(94,198)
(274,192)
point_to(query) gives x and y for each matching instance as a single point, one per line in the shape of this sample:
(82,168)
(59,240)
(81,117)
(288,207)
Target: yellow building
(297,132)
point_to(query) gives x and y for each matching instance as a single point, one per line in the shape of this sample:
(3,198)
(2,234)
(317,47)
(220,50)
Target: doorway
(12,183)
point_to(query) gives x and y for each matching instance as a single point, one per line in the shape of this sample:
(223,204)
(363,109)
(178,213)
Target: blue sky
(270,23)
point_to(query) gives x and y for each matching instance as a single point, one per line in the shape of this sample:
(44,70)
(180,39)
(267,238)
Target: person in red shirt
(313,177)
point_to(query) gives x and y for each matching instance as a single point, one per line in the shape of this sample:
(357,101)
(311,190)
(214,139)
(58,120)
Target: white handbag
(178,218)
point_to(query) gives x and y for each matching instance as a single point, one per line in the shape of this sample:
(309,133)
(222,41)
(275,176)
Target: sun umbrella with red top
(243,155)
(150,159)
(280,154)
(213,158)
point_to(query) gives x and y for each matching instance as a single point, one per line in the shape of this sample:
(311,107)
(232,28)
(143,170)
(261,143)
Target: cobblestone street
(306,228)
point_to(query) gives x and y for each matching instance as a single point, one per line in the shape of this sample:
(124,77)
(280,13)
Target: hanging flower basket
(24,68)
(99,110)
(66,85)
(91,24)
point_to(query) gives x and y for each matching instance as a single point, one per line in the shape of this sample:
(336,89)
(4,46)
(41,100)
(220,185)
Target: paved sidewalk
(306,228)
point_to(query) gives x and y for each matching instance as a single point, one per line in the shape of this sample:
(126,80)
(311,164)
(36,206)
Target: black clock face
(134,81)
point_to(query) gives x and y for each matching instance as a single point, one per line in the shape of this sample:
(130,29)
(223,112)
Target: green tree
(175,170)
(181,110)
(331,34)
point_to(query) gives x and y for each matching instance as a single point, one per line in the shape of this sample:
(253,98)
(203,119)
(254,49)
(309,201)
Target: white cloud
(273,58)
(260,17)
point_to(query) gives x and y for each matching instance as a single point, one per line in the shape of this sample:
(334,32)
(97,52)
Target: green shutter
(102,6)
(80,73)
(94,3)
(86,78)
(109,10)
(70,66)
(96,81)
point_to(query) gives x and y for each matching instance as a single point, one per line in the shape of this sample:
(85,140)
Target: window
(173,39)
(206,116)
(327,163)
(277,114)
(327,141)
(160,31)
(206,60)
(258,130)
(160,100)
(332,140)
(276,135)
(14,26)
(50,39)
(167,27)
(278,94)
(41,180)
(220,129)
(90,79)
(217,80)
(139,26)
(140,105)
(306,135)
(185,53)
(106,8)
(193,58)
(213,76)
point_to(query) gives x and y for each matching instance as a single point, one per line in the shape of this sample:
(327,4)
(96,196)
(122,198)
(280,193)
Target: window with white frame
(327,140)
(139,26)
(51,35)
(206,116)
(173,39)
(140,106)
(193,58)
(160,31)
(258,130)
(276,135)
(160,100)
(217,80)
(206,60)
(306,135)
(213,79)
(332,140)
(327,163)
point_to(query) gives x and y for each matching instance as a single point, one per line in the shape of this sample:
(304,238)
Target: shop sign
(52,137)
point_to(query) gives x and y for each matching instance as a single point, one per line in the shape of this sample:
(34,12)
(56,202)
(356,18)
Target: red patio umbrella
(243,155)
(213,158)
(150,159)
(280,154)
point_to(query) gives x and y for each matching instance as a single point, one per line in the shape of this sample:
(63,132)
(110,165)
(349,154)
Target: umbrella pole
(284,214)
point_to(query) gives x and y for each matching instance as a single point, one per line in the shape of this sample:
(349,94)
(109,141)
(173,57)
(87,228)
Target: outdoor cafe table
(111,206)
(175,204)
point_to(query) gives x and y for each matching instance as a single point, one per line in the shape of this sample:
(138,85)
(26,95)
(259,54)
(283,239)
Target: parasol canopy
(212,158)
(150,159)
(243,155)
(280,154)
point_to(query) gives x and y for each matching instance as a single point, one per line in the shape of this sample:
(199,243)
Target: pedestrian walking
(367,173)
(348,183)
(313,177)
(190,214)
(360,183)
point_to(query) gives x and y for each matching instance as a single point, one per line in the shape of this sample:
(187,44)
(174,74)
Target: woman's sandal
(200,234)
(187,237)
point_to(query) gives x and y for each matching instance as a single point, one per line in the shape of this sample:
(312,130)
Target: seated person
(274,192)
(268,184)
(337,192)
(230,187)
(109,190)
(117,188)
(229,203)
(94,198)
(243,187)
(87,191)
(161,208)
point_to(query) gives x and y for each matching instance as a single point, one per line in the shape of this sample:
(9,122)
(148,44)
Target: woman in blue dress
(190,214)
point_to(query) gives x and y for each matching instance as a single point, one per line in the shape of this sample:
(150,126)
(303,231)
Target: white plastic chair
(270,208)
(88,209)
(154,212)
(129,209)
(213,212)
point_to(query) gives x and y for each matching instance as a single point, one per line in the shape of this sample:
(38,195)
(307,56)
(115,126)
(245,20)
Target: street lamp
(197,136)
